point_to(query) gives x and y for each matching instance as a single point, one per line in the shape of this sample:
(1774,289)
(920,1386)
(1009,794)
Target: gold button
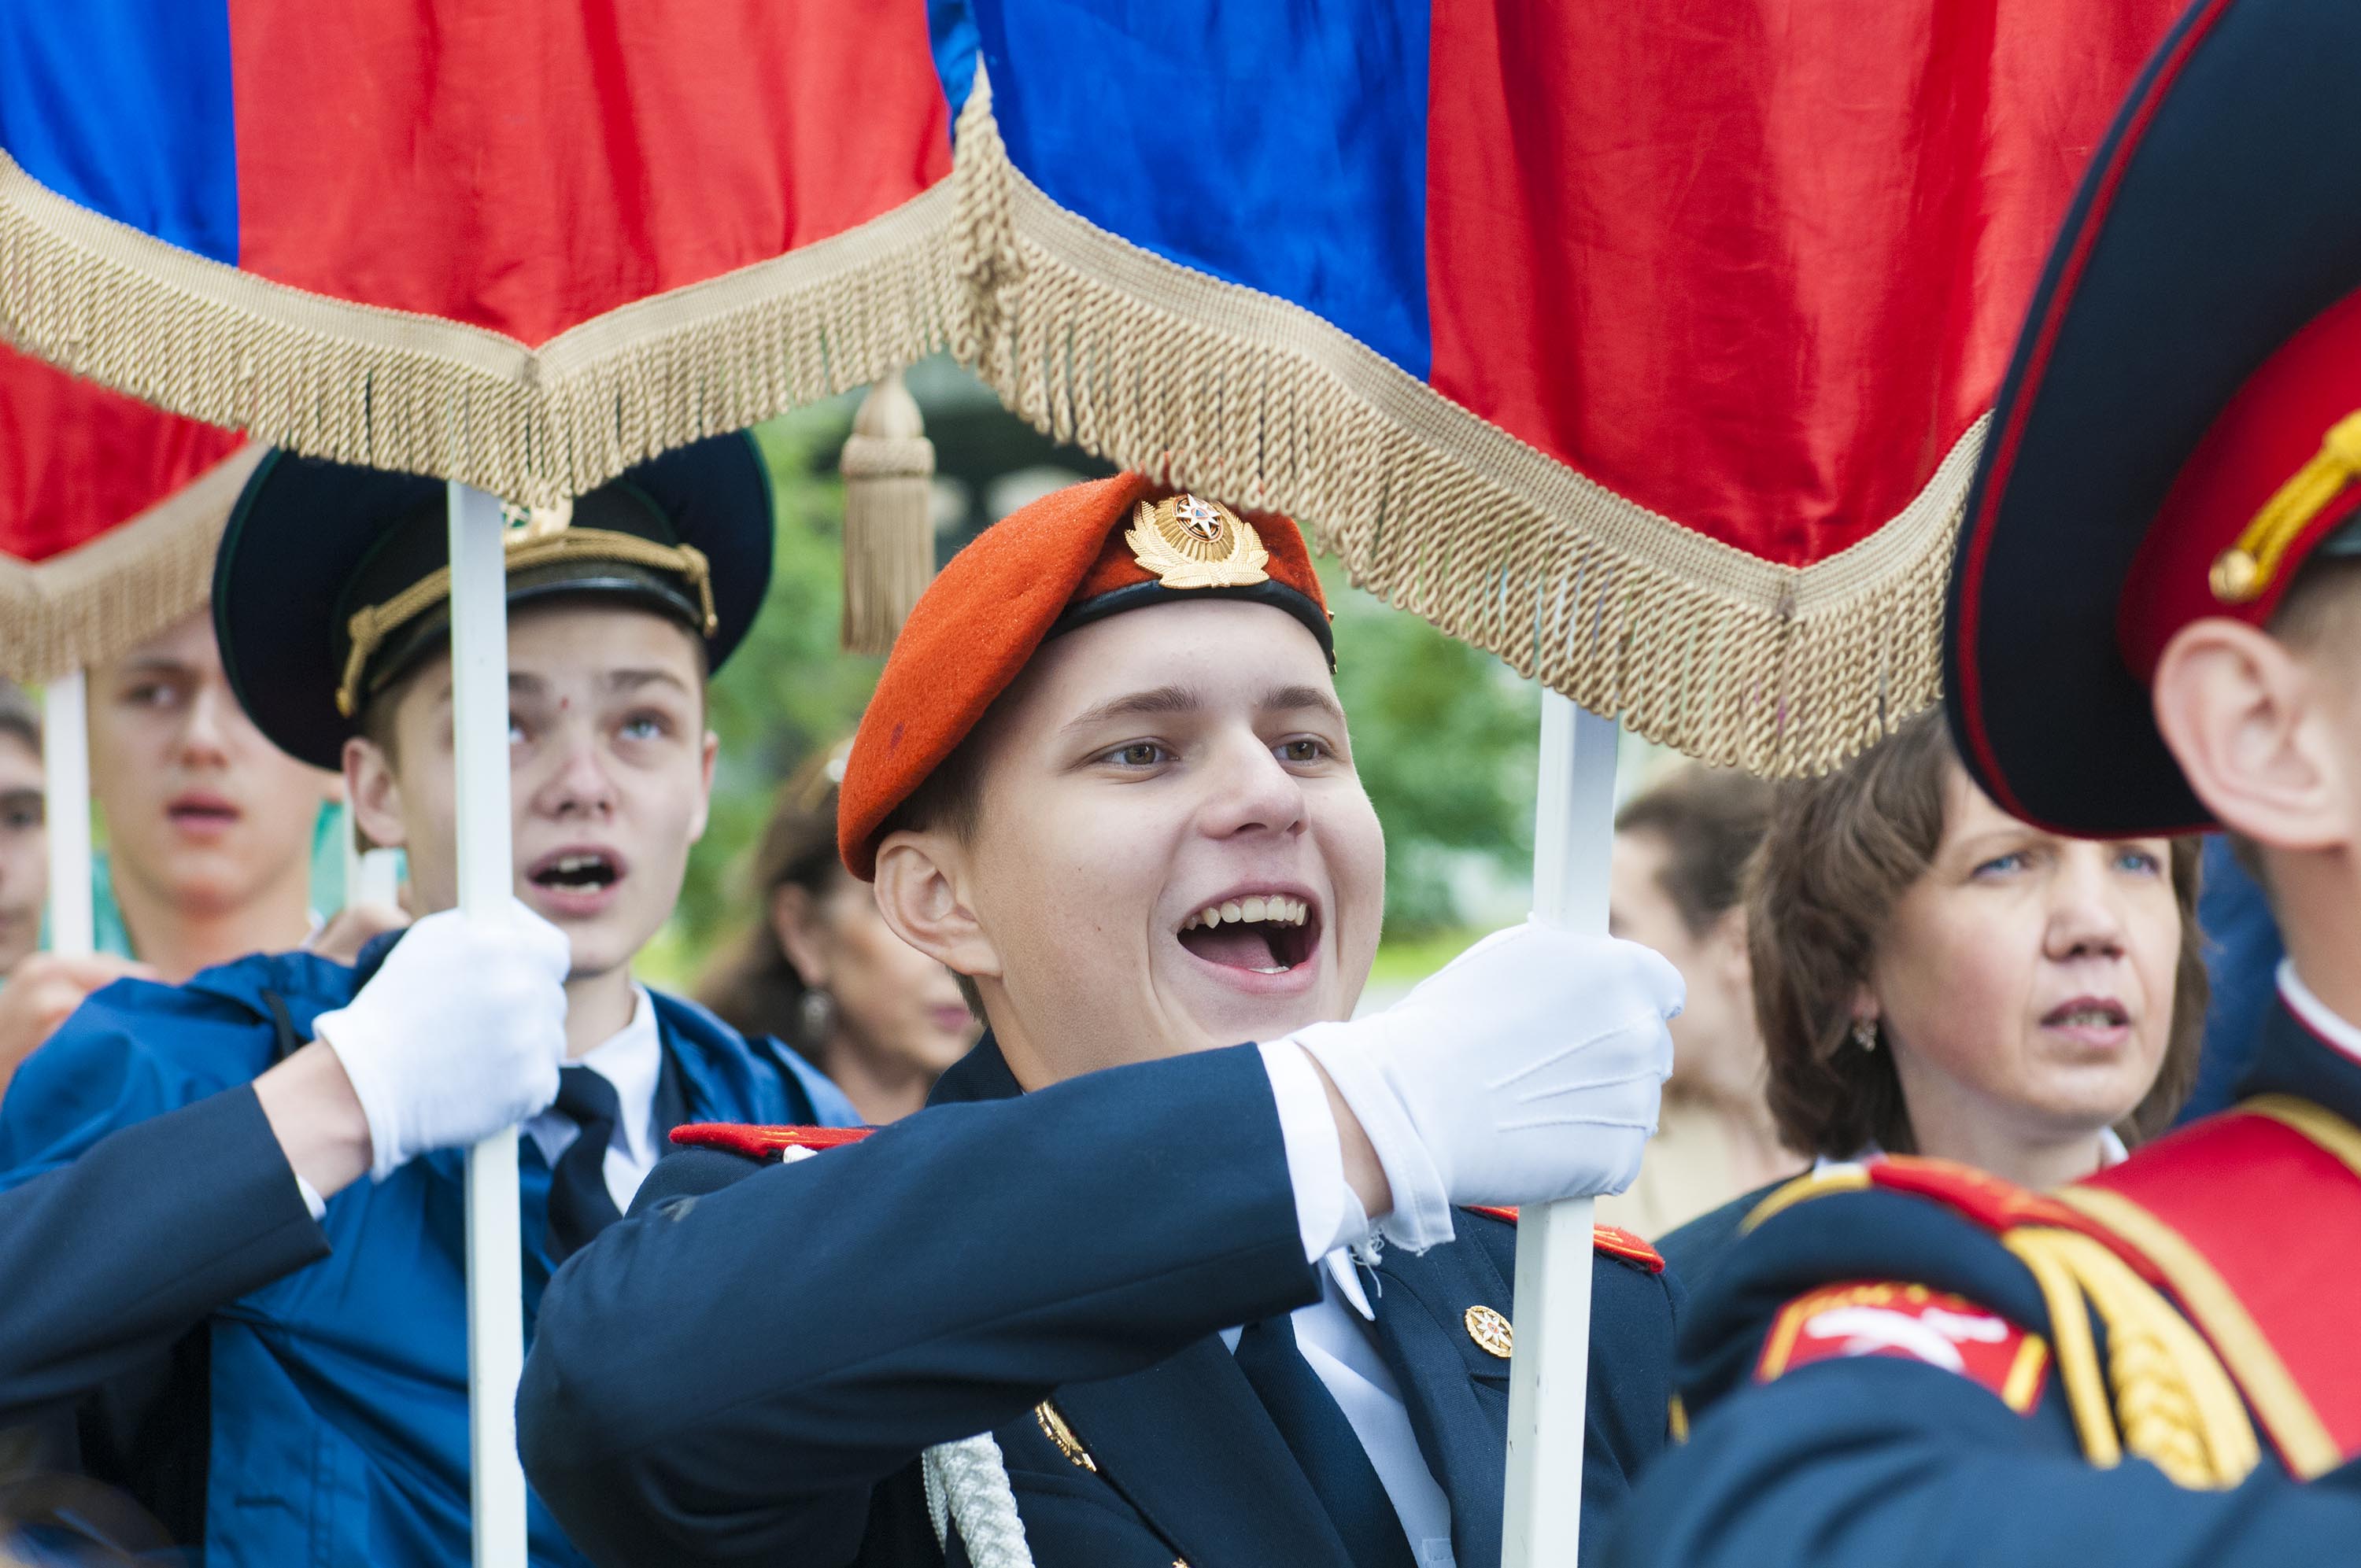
(1491,1330)
(2236,576)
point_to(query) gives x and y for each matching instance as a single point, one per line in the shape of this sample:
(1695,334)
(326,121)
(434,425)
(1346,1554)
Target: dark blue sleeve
(140,1189)
(1872,1462)
(112,1257)
(726,1374)
(1626,1418)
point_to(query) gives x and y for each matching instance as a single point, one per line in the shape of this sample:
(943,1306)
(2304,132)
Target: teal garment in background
(109,935)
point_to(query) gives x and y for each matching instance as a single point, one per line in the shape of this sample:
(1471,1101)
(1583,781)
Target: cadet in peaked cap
(1105,778)
(2155,626)
(310,1239)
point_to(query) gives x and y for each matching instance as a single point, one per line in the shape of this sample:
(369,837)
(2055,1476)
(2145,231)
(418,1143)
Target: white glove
(1527,1069)
(458,1035)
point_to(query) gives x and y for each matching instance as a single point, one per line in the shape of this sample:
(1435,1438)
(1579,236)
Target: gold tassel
(889,531)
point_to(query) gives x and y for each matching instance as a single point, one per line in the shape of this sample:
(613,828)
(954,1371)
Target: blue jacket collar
(2291,1060)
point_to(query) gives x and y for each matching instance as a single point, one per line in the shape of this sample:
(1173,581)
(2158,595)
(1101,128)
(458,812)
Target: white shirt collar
(2316,1014)
(631,1059)
(2111,1153)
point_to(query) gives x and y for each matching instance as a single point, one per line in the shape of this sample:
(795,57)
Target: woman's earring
(1865,1034)
(815,1017)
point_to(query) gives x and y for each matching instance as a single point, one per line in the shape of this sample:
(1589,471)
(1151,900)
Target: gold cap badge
(1491,1331)
(1194,544)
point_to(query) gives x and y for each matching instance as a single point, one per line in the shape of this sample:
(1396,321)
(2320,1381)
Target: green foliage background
(1444,736)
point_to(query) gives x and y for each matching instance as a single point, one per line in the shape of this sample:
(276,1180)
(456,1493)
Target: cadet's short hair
(19,717)
(1839,853)
(1709,821)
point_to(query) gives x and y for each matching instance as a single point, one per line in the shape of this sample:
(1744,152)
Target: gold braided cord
(2075,1346)
(2295,1427)
(2242,571)
(372,624)
(2173,1400)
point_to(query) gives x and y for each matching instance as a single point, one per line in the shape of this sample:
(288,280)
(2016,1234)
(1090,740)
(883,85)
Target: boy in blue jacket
(266,1341)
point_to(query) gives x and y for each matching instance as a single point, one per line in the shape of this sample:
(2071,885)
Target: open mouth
(1264,934)
(201,811)
(2088,1013)
(577,871)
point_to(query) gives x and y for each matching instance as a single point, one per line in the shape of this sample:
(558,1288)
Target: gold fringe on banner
(426,396)
(100,600)
(1690,643)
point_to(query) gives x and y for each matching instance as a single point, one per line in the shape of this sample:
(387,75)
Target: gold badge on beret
(1491,1330)
(1194,544)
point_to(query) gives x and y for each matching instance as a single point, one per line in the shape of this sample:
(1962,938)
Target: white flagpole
(480,723)
(65,809)
(1549,1374)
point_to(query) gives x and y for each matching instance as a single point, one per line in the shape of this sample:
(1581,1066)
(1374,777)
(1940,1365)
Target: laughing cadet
(266,1343)
(1105,779)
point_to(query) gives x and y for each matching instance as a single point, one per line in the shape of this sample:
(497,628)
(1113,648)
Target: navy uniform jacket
(281,1391)
(802,1331)
(1881,1458)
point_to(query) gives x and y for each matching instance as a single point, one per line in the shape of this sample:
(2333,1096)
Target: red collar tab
(1612,1240)
(2278,472)
(763,1143)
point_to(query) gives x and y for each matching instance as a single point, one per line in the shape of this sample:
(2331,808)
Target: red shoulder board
(1908,1322)
(763,1143)
(1616,1242)
(1612,1240)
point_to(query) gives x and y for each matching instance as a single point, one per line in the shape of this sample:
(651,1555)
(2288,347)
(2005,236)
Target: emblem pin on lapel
(1491,1330)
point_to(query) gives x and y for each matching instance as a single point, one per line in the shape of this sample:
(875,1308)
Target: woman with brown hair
(824,972)
(1933,976)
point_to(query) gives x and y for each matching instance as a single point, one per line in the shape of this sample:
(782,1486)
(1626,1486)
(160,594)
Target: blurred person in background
(209,828)
(1933,976)
(824,972)
(38,990)
(1681,848)
(23,844)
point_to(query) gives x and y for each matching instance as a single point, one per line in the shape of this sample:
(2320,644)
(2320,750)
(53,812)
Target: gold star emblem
(1193,544)
(1491,1331)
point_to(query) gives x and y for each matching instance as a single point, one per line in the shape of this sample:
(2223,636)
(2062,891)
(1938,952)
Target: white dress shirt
(633,1060)
(1333,1333)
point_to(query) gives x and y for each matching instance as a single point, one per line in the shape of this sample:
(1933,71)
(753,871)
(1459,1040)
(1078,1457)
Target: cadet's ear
(2250,725)
(922,893)
(373,792)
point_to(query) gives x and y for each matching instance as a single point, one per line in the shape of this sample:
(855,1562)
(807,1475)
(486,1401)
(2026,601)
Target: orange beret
(1073,556)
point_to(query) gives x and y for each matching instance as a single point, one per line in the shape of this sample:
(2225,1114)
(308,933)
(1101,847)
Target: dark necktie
(1324,1444)
(580,1205)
